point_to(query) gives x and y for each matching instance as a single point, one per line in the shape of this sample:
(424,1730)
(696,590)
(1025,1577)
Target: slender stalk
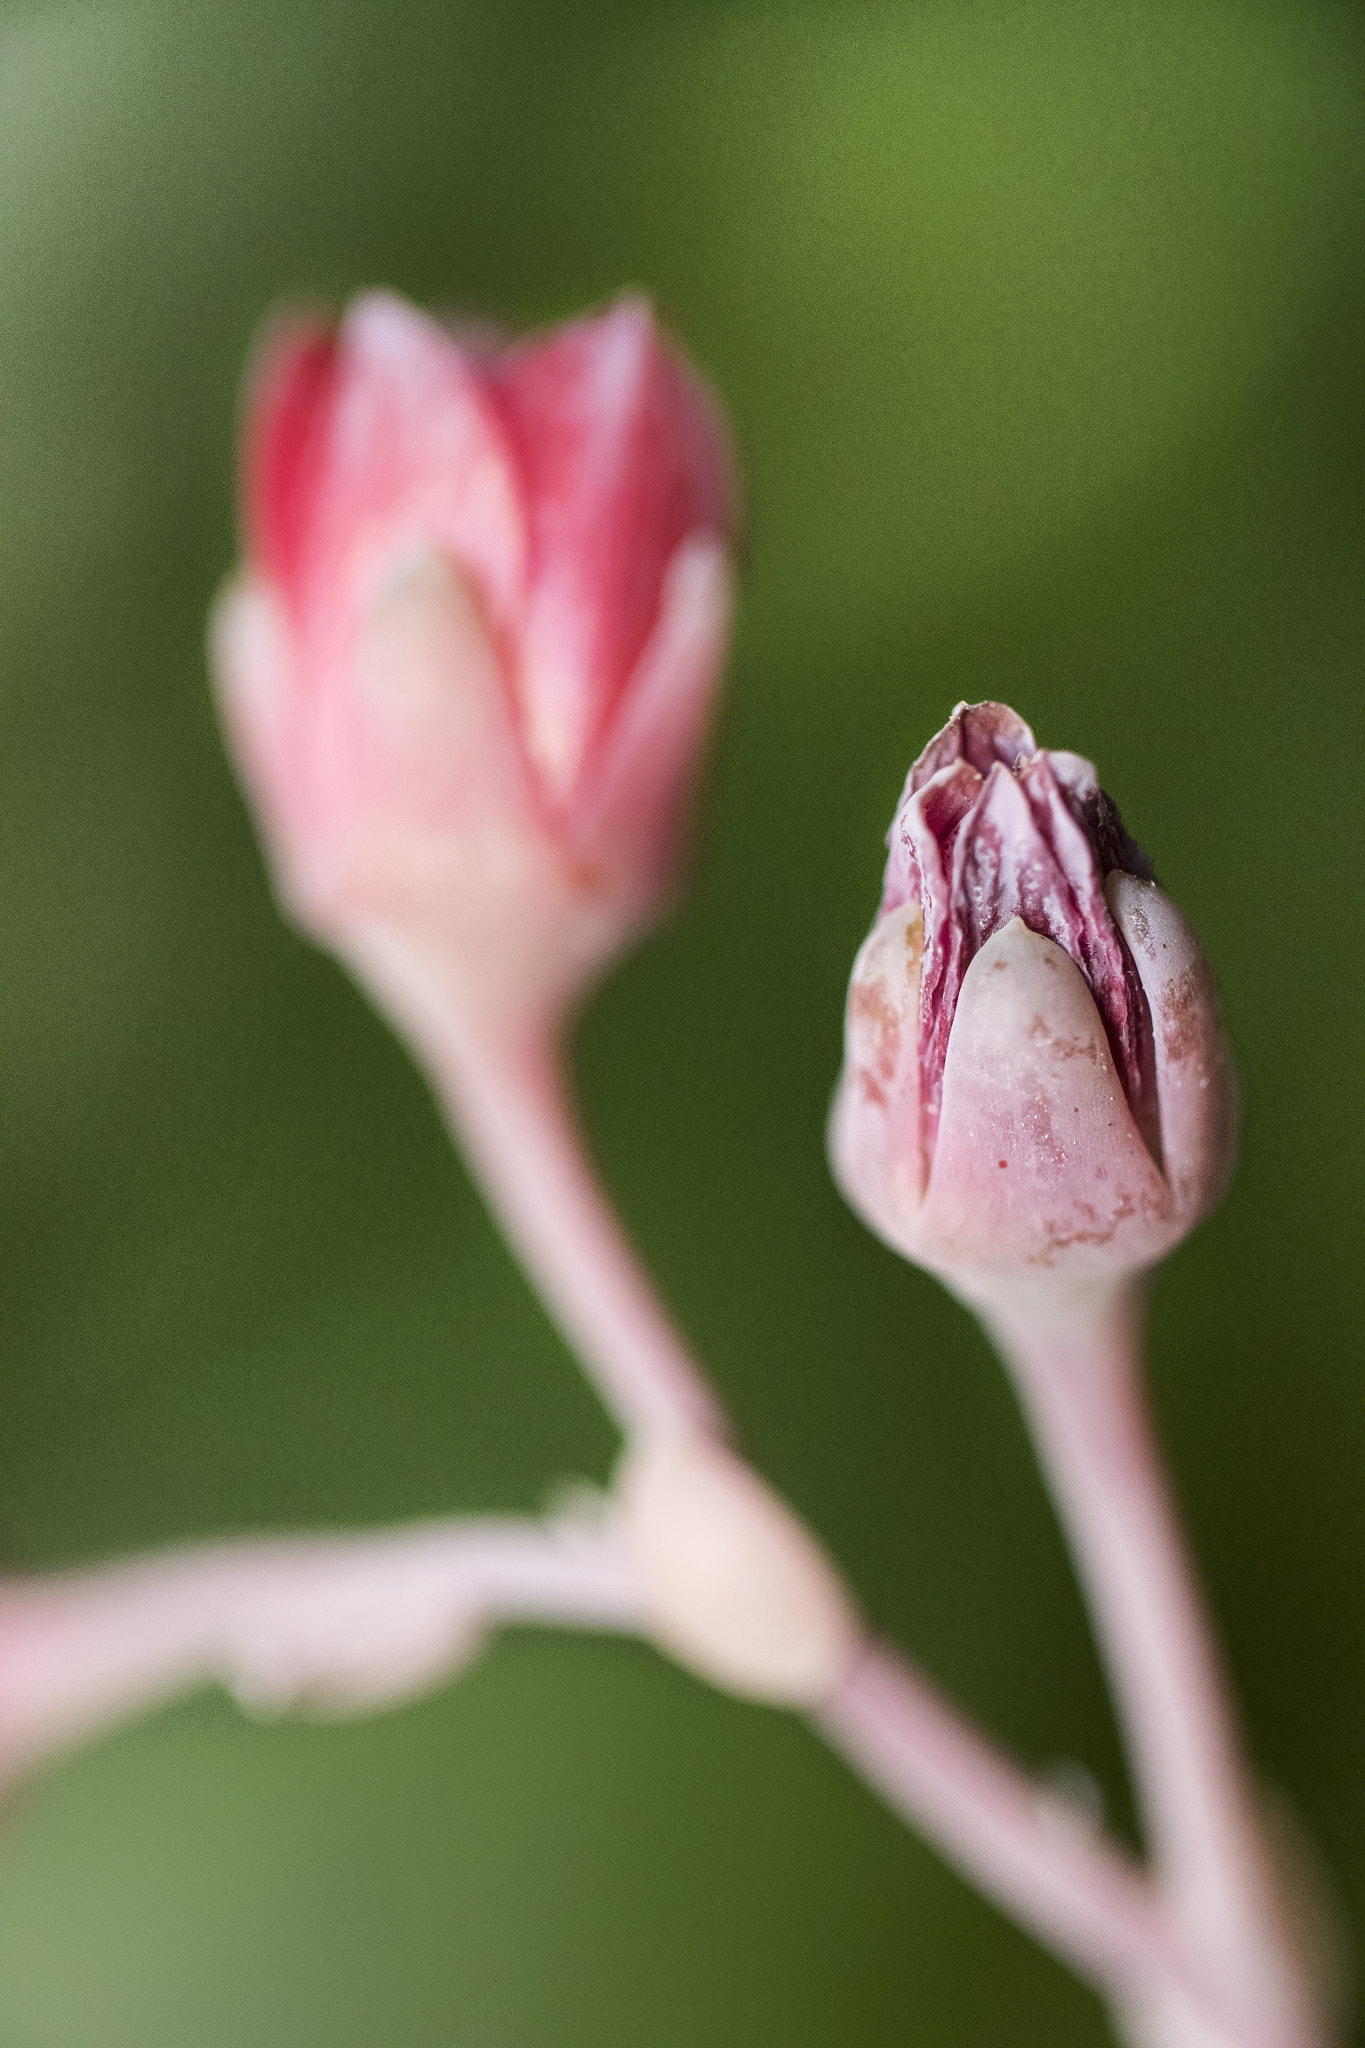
(510,1112)
(513,1113)
(1078,1894)
(1078,1371)
(337,1624)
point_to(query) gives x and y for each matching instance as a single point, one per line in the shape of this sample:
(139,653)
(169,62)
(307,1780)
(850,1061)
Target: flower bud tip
(1036,1086)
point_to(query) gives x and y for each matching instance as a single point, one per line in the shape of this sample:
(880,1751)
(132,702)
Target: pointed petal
(635,805)
(1038,1157)
(408,454)
(290,388)
(622,457)
(1195,1089)
(253,672)
(876,1147)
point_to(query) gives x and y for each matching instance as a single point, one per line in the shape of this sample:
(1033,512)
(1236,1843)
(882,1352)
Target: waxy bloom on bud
(468,668)
(1035,1083)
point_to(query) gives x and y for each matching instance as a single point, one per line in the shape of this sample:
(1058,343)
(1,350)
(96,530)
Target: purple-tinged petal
(990,828)
(1036,1091)
(1194,1080)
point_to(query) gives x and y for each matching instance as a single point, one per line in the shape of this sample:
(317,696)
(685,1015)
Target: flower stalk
(1036,1105)
(331,1625)
(508,1107)
(1078,1370)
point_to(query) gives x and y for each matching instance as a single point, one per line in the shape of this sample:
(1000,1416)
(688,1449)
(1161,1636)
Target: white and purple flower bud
(1036,1083)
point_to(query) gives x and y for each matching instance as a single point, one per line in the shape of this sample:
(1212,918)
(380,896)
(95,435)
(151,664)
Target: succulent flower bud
(1036,1083)
(469,666)
(733,1585)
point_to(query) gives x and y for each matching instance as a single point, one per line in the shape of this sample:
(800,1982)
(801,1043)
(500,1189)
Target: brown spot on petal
(878,1024)
(1089,1226)
(1062,1048)
(1140,923)
(1182,1022)
(914,950)
(1091,1229)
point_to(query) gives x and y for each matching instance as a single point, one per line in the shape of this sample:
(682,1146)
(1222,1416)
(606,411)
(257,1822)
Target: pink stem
(340,1624)
(507,1103)
(512,1112)
(1079,1377)
(1074,1891)
(347,1624)
(505,1098)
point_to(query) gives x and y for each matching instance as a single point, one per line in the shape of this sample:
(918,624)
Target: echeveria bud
(1036,1082)
(733,1585)
(469,667)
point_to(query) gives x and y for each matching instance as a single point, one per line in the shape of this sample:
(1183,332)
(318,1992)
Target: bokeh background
(1040,323)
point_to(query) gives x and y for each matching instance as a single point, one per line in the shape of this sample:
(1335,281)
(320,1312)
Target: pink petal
(875,1140)
(1194,1079)
(621,457)
(1038,1161)
(290,392)
(635,805)
(991,828)
(370,444)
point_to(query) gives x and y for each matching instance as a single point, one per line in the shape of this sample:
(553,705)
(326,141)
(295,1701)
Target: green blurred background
(1040,324)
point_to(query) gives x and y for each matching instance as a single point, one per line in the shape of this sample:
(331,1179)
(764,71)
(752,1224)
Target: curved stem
(338,1625)
(505,1098)
(1078,1371)
(513,1112)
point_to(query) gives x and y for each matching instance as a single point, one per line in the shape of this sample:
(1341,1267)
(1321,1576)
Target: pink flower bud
(1035,1082)
(733,1585)
(468,669)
